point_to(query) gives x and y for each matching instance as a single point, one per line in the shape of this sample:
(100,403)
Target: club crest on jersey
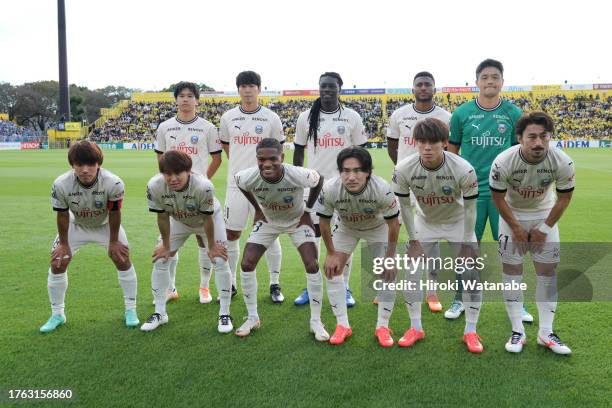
(194,139)
(368,210)
(501,127)
(546,181)
(341,129)
(189,207)
(288,199)
(98,204)
(447,190)
(259,129)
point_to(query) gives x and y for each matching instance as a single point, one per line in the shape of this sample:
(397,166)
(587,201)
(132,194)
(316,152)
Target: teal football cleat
(131,318)
(53,323)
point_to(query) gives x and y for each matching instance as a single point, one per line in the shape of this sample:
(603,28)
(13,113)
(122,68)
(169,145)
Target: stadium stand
(11,132)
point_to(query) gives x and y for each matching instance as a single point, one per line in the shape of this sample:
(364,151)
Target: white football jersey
(529,185)
(198,138)
(402,122)
(337,130)
(361,211)
(282,202)
(89,205)
(242,130)
(439,193)
(185,206)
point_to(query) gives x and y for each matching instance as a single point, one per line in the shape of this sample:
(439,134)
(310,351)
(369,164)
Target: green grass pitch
(187,363)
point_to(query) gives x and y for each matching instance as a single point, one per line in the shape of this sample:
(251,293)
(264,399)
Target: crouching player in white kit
(276,191)
(366,209)
(88,200)
(445,187)
(521,181)
(185,204)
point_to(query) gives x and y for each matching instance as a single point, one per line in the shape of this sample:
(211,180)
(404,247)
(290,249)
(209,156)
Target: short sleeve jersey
(281,201)
(528,186)
(198,138)
(482,134)
(402,122)
(361,211)
(337,130)
(242,130)
(185,206)
(439,192)
(88,204)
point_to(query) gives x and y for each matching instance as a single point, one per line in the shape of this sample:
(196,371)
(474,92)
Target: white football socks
(274,255)
(514,302)
(336,293)
(314,284)
(57,284)
(205,267)
(546,301)
(160,280)
(248,283)
(129,284)
(233,253)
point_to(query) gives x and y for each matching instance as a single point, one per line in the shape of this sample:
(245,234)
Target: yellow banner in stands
(71,126)
(4,116)
(546,88)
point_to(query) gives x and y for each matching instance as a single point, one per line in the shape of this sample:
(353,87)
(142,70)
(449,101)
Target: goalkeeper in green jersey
(479,131)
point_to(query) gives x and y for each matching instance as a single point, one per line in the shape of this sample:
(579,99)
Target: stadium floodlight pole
(64,93)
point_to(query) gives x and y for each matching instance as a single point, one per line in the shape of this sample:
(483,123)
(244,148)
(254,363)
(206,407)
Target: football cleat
(383,334)
(131,318)
(472,340)
(302,299)
(434,303)
(341,334)
(350,300)
(225,324)
(455,310)
(154,321)
(205,296)
(516,342)
(375,300)
(275,293)
(526,317)
(411,336)
(554,343)
(249,324)
(53,323)
(317,327)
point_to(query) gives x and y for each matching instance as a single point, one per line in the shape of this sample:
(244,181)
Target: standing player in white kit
(240,130)
(324,130)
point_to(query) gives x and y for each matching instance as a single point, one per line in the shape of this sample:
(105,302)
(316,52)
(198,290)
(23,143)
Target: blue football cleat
(350,300)
(131,318)
(303,299)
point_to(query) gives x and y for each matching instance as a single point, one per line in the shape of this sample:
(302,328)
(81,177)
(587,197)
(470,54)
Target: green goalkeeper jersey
(482,134)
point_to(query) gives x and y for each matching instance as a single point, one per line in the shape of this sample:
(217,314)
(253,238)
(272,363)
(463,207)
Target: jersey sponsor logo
(291,189)
(259,129)
(75,193)
(502,117)
(409,141)
(501,127)
(173,129)
(180,214)
(172,195)
(343,200)
(521,171)
(187,197)
(340,120)
(238,118)
(409,118)
(89,213)
(97,193)
(247,139)
(363,200)
(328,141)
(445,177)
(418,178)
(194,139)
(274,206)
(485,140)
(357,217)
(432,200)
(540,171)
(529,191)
(182,147)
(255,118)
(447,190)
(479,116)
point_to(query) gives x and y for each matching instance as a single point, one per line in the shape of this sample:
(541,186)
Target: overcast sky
(151,44)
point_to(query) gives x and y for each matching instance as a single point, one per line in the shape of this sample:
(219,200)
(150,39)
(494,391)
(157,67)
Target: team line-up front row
(363,206)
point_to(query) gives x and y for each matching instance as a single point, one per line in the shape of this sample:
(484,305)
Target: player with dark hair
(197,137)
(521,181)
(324,130)
(482,129)
(185,204)
(276,191)
(366,209)
(445,189)
(87,200)
(401,144)
(240,130)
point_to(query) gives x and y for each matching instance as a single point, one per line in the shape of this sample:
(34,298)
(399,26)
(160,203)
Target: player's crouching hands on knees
(118,252)
(61,255)
(334,265)
(217,251)
(161,253)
